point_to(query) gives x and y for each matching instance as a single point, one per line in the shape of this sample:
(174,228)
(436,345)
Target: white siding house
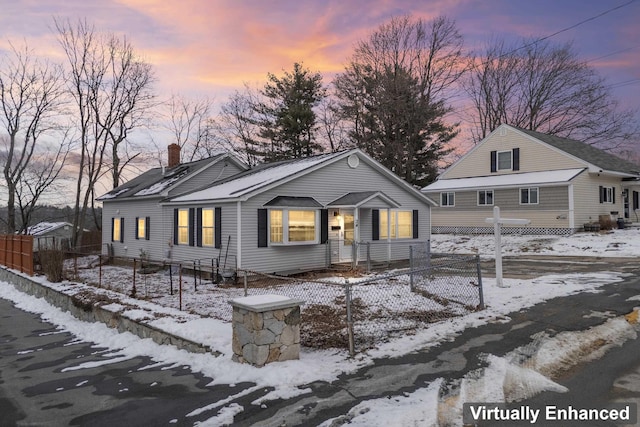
(558,183)
(286,216)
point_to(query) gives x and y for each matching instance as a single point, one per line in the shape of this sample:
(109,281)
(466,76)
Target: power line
(592,18)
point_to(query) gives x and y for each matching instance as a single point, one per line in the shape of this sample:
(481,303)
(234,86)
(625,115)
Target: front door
(341,234)
(346,243)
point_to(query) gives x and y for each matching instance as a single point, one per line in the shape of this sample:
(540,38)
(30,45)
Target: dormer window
(505,160)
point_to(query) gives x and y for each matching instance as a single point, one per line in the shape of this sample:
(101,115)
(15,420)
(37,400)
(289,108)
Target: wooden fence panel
(16,252)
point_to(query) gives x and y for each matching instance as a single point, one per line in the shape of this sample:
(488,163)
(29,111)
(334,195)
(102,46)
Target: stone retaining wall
(94,313)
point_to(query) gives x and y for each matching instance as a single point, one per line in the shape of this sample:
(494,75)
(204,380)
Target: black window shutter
(217,230)
(516,159)
(262,228)
(113,225)
(636,200)
(375,224)
(175,226)
(199,227)
(324,226)
(121,230)
(192,223)
(601,194)
(613,194)
(147,228)
(415,224)
(137,227)
(494,161)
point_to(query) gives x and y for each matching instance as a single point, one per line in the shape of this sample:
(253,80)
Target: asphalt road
(36,390)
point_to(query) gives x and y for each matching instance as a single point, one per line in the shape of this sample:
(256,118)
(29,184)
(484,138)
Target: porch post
(388,234)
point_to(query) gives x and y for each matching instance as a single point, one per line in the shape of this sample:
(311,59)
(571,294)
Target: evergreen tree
(287,119)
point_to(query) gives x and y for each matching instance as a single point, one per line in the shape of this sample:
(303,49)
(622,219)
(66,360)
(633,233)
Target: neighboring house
(558,183)
(50,235)
(281,217)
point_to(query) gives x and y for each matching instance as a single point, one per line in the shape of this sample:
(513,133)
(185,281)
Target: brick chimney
(174,155)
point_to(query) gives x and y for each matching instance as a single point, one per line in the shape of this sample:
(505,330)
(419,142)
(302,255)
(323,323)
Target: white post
(497,223)
(498,232)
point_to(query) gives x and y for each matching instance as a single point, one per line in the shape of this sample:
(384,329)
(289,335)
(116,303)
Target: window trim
(184,226)
(285,227)
(608,195)
(498,168)
(395,223)
(204,226)
(528,189)
(451,195)
(485,197)
(120,228)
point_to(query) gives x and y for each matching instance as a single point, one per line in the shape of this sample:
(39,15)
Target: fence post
(428,250)
(170,279)
(100,270)
(246,282)
(133,291)
(411,268)
(347,291)
(195,277)
(368,257)
(180,284)
(480,292)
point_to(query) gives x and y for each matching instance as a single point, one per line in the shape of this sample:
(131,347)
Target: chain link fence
(359,312)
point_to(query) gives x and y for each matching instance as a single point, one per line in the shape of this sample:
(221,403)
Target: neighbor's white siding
(534,156)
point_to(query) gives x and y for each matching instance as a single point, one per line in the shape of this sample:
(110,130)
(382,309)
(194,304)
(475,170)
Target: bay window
(293,226)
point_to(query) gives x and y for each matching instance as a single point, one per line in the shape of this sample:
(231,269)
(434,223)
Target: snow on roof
(45,227)
(508,180)
(160,186)
(253,180)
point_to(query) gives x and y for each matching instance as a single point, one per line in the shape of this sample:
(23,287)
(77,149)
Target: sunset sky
(209,48)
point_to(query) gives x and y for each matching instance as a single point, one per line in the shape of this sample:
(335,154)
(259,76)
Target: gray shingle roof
(586,152)
(154,181)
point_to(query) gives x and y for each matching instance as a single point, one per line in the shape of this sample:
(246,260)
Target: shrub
(52,261)
(606,223)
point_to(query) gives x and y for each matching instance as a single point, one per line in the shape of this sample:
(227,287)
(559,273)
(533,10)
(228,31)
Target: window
(529,196)
(289,226)
(142,228)
(401,226)
(116,230)
(607,195)
(183,226)
(485,198)
(447,199)
(504,160)
(276,232)
(207,218)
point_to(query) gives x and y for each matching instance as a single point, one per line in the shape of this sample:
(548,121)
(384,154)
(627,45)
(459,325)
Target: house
(558,183)
(50,235)
(132,218)
(285,216)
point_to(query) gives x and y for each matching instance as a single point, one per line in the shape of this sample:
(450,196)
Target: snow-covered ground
(419,408)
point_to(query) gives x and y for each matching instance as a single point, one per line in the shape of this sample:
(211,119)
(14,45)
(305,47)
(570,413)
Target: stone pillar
(266,328)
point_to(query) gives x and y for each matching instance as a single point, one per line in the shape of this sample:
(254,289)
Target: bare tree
(395,92)
(188,123)
(43,175)
(237,125)
(333,128)
(111,88)
(545,87)
(31,94)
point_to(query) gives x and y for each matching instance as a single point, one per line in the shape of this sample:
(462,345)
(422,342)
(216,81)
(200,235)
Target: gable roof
(46,227)
(585,152)
(359,198)
(254,181)
(157,181)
